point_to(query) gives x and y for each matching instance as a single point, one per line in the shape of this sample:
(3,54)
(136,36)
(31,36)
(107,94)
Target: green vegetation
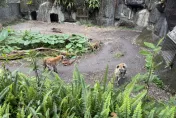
(48,96)
(22,96)
(151,65)
(93,4)
(118,55)
(12,40)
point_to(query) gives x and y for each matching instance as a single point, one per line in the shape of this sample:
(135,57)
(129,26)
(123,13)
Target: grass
(118,55)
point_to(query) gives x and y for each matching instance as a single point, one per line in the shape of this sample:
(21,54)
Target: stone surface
(170,12)
(142,18)
(172,34)
(10,12)
(44,12)
(161,26)
(107,11)
(151,4)
(24,7)
(125,23)
(123,12)
(135,3)
(154,16)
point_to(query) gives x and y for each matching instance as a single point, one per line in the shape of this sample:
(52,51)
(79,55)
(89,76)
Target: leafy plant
(93,3)
(149,59)
(11,40)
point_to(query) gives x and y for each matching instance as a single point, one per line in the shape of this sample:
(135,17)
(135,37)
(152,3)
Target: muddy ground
(116,41)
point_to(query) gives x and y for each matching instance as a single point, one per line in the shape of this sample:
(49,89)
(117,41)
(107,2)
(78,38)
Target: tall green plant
(150,54)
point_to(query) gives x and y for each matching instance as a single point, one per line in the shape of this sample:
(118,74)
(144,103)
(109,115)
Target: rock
(44,12)
(172,34)
(142,18)
(24,7)
(171,14)
(161,27)
(151,4)
(126,23)
(106,13)
(46,9)
(135,3)
(123,12)
(160,7)
(154,16)
(73,16)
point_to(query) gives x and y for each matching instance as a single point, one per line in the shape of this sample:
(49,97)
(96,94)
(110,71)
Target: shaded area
(34,15)
(54,17)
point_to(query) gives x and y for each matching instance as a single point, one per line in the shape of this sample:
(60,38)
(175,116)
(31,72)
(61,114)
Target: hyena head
(121,70)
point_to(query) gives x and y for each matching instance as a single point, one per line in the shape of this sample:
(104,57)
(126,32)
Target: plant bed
(17,44)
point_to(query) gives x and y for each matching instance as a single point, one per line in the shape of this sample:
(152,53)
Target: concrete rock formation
(142,18)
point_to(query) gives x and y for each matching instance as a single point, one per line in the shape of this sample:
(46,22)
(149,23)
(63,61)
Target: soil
(118,46)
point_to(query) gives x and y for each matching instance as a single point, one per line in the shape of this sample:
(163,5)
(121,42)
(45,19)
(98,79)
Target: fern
(164,113)
(172,112)
(106,109)
(138,98)
(105,79)
(125,109)
(138,111)
(152,113)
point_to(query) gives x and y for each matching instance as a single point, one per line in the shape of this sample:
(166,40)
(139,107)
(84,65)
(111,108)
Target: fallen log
(18,54)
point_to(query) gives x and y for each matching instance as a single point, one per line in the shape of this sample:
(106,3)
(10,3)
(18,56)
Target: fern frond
(125,109)
(172,112)
(152,113)
(106,106)
(138,111)
(138,98)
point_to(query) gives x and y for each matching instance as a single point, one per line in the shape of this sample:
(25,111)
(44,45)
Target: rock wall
(10,12)
(156,15)
(107,12)
(170,12)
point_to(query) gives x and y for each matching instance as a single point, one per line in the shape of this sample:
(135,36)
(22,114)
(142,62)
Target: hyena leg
(118,78)
(55,69)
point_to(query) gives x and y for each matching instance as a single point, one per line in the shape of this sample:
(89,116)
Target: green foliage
(22,96)
(11,40)
(138,111)
(151,65)
(93,3)
(67,3)
(4,47)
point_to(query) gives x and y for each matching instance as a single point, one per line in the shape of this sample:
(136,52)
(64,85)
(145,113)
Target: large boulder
(151,4)
(123,11)
(26,6)
(106,13)
(46,9)
(44,12)
(161,27)
(125,23)
(154,16)
(170,12)
(142,18)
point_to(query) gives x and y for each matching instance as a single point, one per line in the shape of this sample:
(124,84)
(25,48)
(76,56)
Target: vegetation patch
(48,96)
(12,41)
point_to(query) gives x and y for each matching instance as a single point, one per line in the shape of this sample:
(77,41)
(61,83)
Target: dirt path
(92,65)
